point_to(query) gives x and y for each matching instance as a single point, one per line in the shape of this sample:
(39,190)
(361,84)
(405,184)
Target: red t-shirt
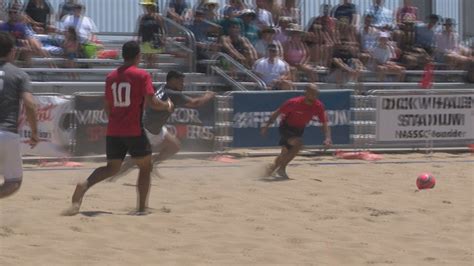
(125,89)
(296,113)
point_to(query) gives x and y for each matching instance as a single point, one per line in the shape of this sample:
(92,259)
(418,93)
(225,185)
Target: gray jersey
(13,82)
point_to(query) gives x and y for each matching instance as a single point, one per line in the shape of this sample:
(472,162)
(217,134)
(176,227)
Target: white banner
(53,113)
(421,117)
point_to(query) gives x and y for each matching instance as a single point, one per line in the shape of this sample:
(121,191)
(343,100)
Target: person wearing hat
(233,9)
(177,10)
(238,46)
(381,57)
(202,29)
(448,49)
(249,29)
(296,53)
(281,34)
(264,17)
(266,38)
(150,33)
(84,25)
(273,70)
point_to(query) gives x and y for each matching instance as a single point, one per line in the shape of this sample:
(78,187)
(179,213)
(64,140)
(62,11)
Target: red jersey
(296,113)
(125,90)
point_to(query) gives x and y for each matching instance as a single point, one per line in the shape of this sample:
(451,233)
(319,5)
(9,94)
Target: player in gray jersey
(14,88)
(154,121)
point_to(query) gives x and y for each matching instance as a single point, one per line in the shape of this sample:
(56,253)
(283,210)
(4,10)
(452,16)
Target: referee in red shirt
(127,90)
(296,114)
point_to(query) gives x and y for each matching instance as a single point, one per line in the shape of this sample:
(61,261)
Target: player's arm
(327,132)
(30,108)
(159,105)
(273,117)
(200,101)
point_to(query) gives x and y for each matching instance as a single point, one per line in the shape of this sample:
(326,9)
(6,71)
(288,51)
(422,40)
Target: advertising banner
(253,109)
(421,117)
(194,127)
(54,127)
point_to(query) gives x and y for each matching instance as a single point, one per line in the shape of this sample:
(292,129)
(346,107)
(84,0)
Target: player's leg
(116,150)
(294,146)
(140,150)
(169,147)
(11,164)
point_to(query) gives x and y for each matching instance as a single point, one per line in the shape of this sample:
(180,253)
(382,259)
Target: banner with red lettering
(90,121)
(54,127)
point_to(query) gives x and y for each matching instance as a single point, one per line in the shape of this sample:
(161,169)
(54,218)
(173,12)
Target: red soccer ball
(425,181)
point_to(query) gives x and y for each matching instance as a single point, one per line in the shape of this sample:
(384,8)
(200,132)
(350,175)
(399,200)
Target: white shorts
(156,140)
(10,156)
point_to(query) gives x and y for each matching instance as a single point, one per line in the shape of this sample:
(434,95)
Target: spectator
(66,8)
(177,10)
(406,13)
(266,38)
(425,35)
(327,34)
(233,9)
(41,14)
(281,33)
(202,29)
(347,11)
(264,17)
(273,71)
(84,26)
(71,48)
(345,62)
(238,46)
(25,42)
(289,9)
(297,55)
(328,22)
(383,17)
(368,37)
(315,42)
(249,30)
(448,49)
(210,7)
(3,11)
(150,33)
(382,61)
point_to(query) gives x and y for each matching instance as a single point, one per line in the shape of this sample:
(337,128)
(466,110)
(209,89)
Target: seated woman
(381,59)
(296,54)
(346,64)
(448,50)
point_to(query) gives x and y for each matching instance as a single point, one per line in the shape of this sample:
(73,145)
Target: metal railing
(174,31)
(227,64)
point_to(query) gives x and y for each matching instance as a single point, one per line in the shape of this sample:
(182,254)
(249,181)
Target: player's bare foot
(81,189)
(281,172)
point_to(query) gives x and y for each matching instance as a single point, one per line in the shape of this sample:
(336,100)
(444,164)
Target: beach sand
(332,212)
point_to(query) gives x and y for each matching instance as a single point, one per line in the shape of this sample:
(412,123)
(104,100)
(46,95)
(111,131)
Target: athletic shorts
(156,140)
(287,132)
(118,147)
(10,156)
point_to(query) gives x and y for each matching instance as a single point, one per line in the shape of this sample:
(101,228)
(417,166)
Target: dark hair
(433,17)
(173,74)
(72,30)
(6,44)
(130,50)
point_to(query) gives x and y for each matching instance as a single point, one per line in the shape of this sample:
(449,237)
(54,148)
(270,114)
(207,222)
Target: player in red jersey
(127,90)
(296,114)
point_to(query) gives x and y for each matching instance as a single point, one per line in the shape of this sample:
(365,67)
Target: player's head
(7,46)
(175,80)
(131,52)
(311,93)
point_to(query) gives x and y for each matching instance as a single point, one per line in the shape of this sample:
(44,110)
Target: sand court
(332,212)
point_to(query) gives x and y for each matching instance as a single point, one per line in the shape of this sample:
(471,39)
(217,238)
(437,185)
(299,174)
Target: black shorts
(118,147)
(287,132)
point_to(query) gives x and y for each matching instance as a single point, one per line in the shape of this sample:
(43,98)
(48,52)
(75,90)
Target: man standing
(154,121)
(127,89)
(14,86)
(296,114)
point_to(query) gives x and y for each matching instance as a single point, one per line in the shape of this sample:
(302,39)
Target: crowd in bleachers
(263,35)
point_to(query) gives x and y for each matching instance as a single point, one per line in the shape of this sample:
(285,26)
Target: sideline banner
(419,117)
(90,121)
(253,109)
(194,127)
(54,127)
